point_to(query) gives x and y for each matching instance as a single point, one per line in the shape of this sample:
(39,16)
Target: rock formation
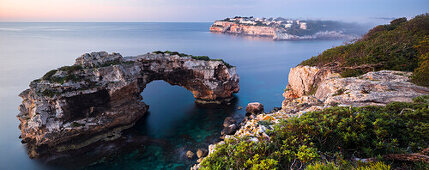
(255,108)
(313,86)
(275,32)
(236,28)
(99,96)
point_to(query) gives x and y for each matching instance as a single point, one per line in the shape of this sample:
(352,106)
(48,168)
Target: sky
(204,10)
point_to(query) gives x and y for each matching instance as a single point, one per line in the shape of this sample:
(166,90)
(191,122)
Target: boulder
(229,130)
(228,121)
(255,108)
(201,153)
(190,155)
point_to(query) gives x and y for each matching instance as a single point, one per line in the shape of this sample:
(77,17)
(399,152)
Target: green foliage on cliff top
(205,58)
(391,47)
(421,73)
(336,134)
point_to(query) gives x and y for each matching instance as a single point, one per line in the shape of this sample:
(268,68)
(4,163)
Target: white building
(303,25)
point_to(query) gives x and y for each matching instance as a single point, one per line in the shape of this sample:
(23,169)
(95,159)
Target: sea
(174,123)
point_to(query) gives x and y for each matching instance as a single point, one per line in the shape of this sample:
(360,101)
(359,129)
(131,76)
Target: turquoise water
(174,124)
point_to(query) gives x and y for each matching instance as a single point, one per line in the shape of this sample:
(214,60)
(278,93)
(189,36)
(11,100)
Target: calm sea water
(174,123)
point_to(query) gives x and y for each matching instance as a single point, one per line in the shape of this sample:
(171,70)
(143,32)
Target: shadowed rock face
(99,96)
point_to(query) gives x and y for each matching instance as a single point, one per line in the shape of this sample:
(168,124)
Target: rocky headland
(314,89)
(282,29)
(99,96)
(346,103)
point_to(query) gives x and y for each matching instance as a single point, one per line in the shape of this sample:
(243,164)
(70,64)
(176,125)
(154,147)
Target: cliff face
(99,96)
(275,32)
(235,28)
(321,87)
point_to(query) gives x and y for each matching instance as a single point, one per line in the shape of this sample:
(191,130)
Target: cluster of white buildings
(286,23)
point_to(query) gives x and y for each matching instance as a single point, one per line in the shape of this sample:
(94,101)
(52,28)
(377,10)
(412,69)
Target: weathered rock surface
(236,28)
(310,88)
(190,154)
(99,96)
(201,153)
(255,108)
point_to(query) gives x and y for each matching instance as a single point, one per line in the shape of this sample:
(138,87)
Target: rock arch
(99,96)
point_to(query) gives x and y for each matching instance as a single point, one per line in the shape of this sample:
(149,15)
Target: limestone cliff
(314,86)
(236,28)
(97,97)
(274,31)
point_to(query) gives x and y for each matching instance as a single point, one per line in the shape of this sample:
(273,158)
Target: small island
(286,29)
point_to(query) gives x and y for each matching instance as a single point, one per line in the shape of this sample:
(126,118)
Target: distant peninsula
(286,29)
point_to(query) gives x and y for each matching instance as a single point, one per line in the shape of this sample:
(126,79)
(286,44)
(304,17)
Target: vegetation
(394,46)
(49,74)
(348,165)
(205,58)
(49,93)
(339,92)
(421,73)
(336,135)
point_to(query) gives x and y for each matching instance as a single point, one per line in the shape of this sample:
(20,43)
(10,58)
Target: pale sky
(204,10)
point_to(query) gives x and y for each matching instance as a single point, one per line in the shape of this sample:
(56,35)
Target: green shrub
(205,58)
(336,133)
(49,74)
(49,93)
(421,73)
(390,47)
(339,92)
(348,166)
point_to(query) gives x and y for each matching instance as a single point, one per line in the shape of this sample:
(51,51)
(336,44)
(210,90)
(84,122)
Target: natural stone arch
(99,95)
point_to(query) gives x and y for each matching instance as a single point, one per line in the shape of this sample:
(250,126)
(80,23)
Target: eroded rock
(190,155)
(99,96)
(312,88)
(201,153)
(255,108)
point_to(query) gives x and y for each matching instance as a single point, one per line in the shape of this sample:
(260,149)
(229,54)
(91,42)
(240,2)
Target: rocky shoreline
(314,88)
(99,96)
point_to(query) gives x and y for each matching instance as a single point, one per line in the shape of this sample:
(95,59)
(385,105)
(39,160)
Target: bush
(390,47)
(336,133)
(49,74)
(205,58)
(421,73)
(348,165)
(71,69)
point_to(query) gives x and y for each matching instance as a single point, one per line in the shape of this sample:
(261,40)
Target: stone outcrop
(312,86)
(99,96)
(255,108)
